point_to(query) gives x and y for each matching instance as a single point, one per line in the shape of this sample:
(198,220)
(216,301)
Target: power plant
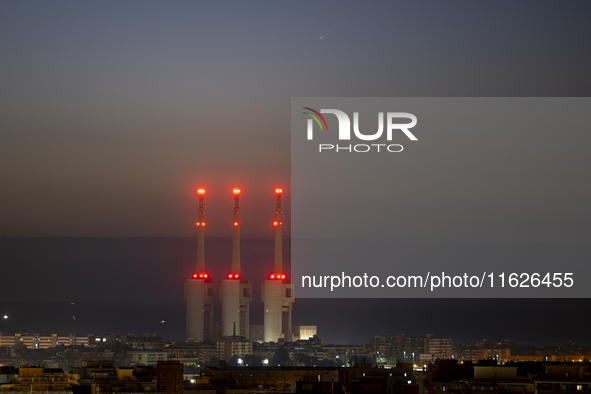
(236,291)
(276,290)
(200,289)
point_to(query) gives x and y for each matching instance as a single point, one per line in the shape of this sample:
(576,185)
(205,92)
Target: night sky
(113,113)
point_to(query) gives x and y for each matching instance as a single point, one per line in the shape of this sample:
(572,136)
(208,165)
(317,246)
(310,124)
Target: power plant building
(200,289)
(276,290)
(236,292)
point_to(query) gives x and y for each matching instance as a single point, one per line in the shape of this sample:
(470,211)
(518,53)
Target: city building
(38,378)
(438,348)
(198,352)
(304,332)
(359,378)
(276,378)
(102,377)
(344,354)
(146,356)
(442,375)
(169,375)
(41,341)
(414,349)
(228,347)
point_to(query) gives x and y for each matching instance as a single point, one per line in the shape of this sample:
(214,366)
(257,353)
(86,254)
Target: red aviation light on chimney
(234,275)
(235,223)
(277,276)
(236,191)
(201,191)
(200,223)
(278,191)
(201,275)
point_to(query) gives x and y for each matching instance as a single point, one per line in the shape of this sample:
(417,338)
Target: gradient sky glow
(113,113)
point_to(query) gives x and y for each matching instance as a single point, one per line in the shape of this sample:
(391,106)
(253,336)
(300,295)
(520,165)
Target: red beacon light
(233,276)
(278,191)
(236,191)
(277,276)
(201,191)
(202,275)
(235,223)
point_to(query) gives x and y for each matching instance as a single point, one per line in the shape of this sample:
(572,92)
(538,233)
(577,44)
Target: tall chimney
(236,235)
(201,234)
(278,267)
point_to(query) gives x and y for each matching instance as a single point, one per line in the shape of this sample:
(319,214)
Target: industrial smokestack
(278,266)
(201,234)
(236,234)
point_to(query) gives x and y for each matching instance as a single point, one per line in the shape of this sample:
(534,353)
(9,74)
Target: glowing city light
(201,191)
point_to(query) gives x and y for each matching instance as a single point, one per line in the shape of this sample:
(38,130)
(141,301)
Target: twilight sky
(113,113)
